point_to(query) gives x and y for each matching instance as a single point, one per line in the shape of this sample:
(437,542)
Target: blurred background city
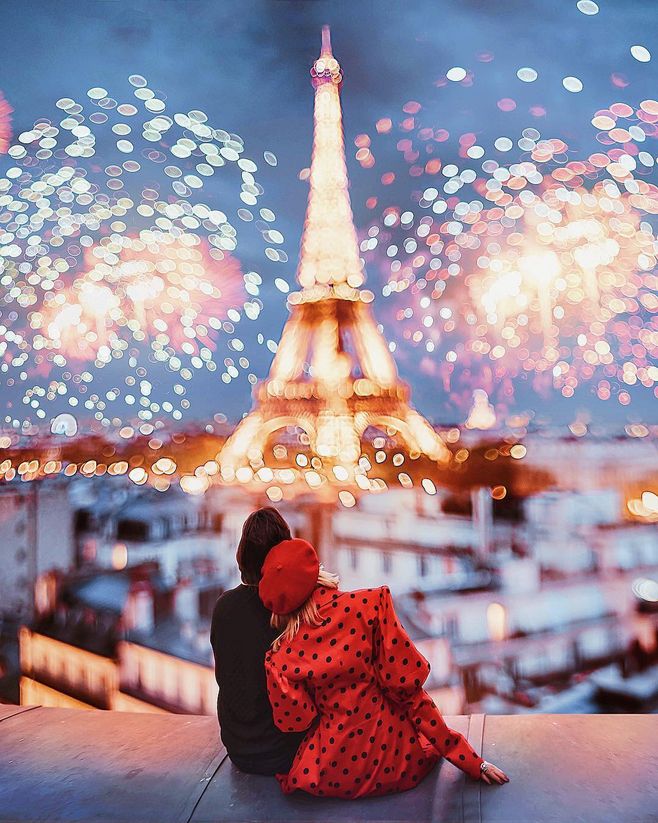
(448,384)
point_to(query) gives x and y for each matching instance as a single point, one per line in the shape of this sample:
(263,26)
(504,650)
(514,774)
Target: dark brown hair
(262,530)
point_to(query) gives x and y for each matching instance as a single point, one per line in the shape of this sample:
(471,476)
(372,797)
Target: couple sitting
(320,687)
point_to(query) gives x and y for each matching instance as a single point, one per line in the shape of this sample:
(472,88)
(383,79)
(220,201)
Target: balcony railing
(111,767)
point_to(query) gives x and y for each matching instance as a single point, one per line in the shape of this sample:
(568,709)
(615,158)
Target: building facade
(36,535)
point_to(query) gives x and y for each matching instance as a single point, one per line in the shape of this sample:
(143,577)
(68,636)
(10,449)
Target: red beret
(289,575)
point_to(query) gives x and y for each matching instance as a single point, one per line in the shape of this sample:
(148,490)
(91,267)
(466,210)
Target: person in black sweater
(240,634)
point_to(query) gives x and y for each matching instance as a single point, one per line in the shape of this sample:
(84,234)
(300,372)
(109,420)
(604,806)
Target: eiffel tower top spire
(329,254)
(326,42)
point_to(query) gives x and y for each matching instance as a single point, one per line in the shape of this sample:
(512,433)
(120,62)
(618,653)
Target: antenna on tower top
(326,42)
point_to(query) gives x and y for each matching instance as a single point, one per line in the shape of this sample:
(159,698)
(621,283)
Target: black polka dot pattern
(355,682)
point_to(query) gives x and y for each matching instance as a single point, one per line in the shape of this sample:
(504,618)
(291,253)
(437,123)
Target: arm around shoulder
(293,709)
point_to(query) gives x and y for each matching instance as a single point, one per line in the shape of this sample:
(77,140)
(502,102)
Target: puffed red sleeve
(293,709)
(401,671)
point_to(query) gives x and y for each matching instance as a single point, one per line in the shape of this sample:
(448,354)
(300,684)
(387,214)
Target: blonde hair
(307,613)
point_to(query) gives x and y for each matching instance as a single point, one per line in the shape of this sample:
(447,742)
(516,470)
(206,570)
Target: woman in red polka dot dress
(344,668)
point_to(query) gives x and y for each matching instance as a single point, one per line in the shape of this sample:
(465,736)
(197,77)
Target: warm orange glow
(496,621)
(644,507)
(160,282)
(565,274)
(139,476)
(482,415)
(165,465)
(180,684)
(74,668)
(119,556)
(191,484)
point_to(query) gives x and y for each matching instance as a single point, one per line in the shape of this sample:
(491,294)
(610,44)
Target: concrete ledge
(61,765)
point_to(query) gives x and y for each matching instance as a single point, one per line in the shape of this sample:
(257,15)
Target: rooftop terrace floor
(61,765)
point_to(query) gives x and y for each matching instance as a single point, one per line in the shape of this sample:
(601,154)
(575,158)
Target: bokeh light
(113,259)
(518,261)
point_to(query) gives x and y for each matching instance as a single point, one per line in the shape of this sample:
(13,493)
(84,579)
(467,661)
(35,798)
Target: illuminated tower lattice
(333,376)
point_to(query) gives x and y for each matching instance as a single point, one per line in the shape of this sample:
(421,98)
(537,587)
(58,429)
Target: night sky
(246,65)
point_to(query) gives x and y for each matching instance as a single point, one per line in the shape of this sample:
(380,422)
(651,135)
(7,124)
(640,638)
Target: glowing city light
(482,414)
(497,621)
(191,484)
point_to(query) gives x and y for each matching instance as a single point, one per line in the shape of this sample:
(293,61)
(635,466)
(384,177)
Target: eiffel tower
(333,376)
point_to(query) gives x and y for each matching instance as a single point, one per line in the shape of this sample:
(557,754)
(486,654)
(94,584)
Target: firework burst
(539,268)
(125,258)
